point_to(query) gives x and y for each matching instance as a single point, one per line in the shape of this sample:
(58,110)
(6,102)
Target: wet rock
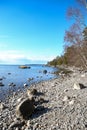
(30,79)
(44,71)
(9,73)
(12,84)
(1,78)
(25,85)
(25,109)
(1,84)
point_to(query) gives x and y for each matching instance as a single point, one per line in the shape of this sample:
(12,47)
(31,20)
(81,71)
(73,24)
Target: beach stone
(28,123)
(2,106)
(25,85)
(83,75)
(66,90)
(78,86)
(44,71)
(31,94)
(20,99)
(9,73)
(1,84)
(12,84)
(25,109)
(66,98)
(30,79)
(31,91)
(1,78)
(35,126)
(16,124)
(71,102)
(41,100)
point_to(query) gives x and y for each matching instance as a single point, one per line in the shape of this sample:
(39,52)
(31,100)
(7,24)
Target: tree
(76,35)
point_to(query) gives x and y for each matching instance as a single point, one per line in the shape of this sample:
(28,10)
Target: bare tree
(75,34)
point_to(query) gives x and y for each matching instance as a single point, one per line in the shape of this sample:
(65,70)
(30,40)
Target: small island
(24,67)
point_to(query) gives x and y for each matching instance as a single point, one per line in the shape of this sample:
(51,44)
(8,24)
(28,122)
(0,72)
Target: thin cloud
(41,58)
(15,56)
(10,56)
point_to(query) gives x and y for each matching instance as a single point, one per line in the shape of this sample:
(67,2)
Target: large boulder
(25,109)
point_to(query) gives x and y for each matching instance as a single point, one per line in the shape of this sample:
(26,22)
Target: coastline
(64,107)
(12,81)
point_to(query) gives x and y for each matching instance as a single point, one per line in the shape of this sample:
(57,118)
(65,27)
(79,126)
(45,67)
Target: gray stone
(1,84)
(2,106)
(32,91)
(44,71)
(78,86)
(25,109)
(15,124)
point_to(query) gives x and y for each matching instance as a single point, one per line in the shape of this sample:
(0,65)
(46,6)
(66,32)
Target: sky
(32,31)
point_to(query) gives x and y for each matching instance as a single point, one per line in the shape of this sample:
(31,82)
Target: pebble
(53,114)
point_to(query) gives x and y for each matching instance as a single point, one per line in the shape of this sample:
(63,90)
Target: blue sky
(32,31)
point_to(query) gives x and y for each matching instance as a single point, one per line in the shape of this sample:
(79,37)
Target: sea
(14,78)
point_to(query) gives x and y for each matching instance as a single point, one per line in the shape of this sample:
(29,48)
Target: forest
(75,38)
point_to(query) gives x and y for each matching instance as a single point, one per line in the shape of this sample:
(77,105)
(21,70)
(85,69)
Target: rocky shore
(59,104)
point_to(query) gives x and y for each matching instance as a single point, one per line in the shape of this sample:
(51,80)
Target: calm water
(13,74)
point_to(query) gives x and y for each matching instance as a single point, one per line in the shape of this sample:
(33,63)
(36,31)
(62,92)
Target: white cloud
(15,56)
(10,56)
(41,58)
